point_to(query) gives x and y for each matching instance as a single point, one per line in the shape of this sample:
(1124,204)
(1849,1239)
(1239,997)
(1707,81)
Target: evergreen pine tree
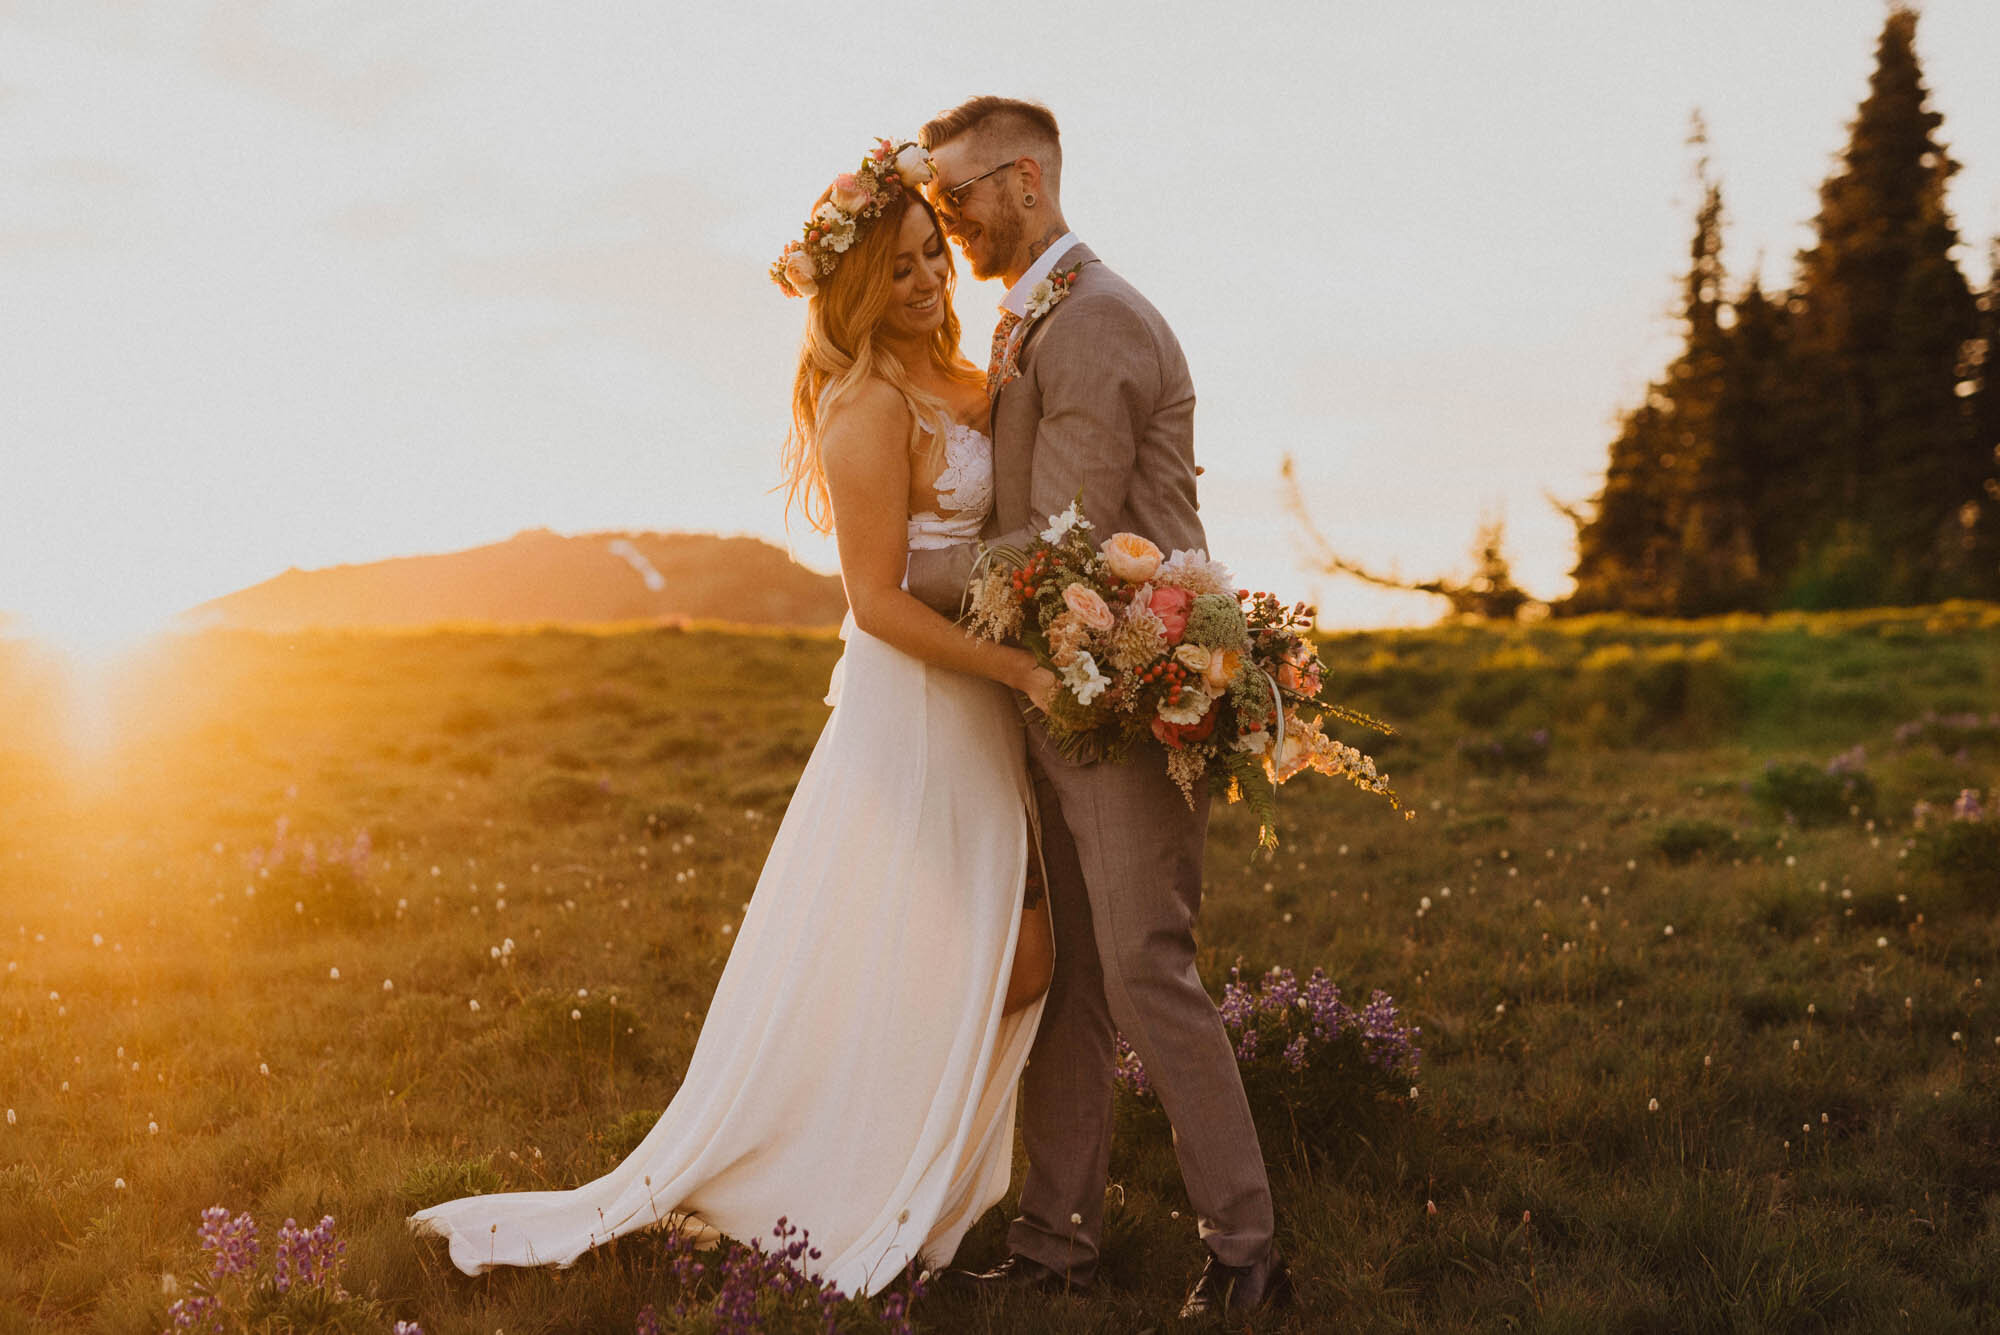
(1980,517)
(1883,312)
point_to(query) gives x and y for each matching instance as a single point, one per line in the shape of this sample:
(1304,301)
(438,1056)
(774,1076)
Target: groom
(1090,395)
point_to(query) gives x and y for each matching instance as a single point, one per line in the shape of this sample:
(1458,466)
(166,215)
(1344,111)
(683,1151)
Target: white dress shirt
(1016,300)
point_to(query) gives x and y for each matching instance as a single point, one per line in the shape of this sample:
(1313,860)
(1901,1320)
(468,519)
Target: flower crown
(857,199)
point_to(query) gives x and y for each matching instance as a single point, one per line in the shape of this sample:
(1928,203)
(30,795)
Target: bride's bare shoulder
(868,424)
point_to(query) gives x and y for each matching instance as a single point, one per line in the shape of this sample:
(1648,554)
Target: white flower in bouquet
(1084,680)
(1193,571)
(1193,704)
(1256,743)
(1060,525)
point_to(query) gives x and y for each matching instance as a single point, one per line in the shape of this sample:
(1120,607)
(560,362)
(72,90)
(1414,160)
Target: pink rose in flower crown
(1131,558)
(801,272)
(1171,606)
(850,194)
(1090,608)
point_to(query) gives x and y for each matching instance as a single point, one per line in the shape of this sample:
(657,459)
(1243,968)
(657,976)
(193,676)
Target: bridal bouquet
(1145,644)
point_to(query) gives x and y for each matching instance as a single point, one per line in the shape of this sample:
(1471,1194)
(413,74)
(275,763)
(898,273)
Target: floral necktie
(994,363)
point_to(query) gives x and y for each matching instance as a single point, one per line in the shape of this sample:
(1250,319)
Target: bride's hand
(1039,685)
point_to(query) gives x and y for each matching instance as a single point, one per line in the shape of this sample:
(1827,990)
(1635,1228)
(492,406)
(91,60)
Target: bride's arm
(864,448)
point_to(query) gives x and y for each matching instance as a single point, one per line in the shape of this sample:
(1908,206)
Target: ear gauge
(1028,200)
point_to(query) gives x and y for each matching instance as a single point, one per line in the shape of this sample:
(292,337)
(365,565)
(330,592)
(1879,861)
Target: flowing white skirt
(855,1073)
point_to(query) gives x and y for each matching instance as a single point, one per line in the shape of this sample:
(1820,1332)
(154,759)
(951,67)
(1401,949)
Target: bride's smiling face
(917,277)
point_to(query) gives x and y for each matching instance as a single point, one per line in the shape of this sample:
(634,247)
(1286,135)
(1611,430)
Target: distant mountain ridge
(542,576)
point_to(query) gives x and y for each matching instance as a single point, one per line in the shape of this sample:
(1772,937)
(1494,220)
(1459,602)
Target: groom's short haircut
(1002,125)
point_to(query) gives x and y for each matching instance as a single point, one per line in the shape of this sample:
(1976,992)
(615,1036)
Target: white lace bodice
(964,490)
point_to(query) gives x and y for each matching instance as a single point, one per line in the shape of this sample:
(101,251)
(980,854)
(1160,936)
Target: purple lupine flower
(308,1257)
(1329,1014)
(1390,1044)
(202,1312)
(1129,1071)
(1239,1007)
(1851,761)
(1295,1054)
(233,1242)
(1279,991)
(648,1322)
(1246,1046)
(412,1328)
(1968,807)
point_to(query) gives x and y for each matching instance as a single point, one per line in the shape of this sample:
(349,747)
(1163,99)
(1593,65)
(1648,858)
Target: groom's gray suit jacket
(1104,406)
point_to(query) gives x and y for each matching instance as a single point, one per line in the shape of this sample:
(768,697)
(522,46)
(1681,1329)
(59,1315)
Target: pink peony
(1171,605)
(1090,609)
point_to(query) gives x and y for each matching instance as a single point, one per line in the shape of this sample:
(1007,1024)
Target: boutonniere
(1043,297)
(1046,295)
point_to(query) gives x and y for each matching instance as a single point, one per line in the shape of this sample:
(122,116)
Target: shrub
(1519,753)
(1682,841)
(1816,795)
(1312,1065)
(437,1180)
(1965,856)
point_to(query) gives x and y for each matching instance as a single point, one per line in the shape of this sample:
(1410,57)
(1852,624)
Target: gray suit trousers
(1124,861)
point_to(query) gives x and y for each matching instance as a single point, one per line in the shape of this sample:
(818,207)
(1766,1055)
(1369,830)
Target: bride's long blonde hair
(841,350)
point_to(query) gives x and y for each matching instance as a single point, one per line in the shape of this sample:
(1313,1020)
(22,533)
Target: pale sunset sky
(303,282)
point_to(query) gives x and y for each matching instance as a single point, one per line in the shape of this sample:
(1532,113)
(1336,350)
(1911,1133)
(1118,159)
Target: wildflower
(309,1258)
(474,1003)
(230,1241)
(1652,1105)
(388,985)
(334,973)
(118,1184)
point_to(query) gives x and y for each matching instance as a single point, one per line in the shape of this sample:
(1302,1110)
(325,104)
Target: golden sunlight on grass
(92,651)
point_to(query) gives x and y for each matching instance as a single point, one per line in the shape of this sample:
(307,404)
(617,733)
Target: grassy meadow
(1708,1041)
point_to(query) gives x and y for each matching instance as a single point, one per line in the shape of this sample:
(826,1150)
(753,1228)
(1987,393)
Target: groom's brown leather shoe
(1238,1290)
(1016,1272)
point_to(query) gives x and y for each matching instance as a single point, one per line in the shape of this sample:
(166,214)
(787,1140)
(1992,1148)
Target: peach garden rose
(1131,557)
(1089,606)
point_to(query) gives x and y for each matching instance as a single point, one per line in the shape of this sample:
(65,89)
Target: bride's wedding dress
(856,1070)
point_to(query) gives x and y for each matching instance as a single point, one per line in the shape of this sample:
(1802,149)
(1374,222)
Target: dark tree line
(1832,445)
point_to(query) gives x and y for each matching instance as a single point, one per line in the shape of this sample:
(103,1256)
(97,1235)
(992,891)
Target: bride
(857,1067)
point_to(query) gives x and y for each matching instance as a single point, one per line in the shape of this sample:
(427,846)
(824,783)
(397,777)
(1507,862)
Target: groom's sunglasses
(954,197)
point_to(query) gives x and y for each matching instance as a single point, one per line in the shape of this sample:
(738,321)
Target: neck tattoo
(1043,242)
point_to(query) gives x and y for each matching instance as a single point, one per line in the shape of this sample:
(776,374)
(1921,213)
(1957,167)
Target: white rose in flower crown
(1193,657)
(850,193)
(915,167)
(1131,557)
(802,273)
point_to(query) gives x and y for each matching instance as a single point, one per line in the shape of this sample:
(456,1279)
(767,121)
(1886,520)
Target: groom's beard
(1000,241)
